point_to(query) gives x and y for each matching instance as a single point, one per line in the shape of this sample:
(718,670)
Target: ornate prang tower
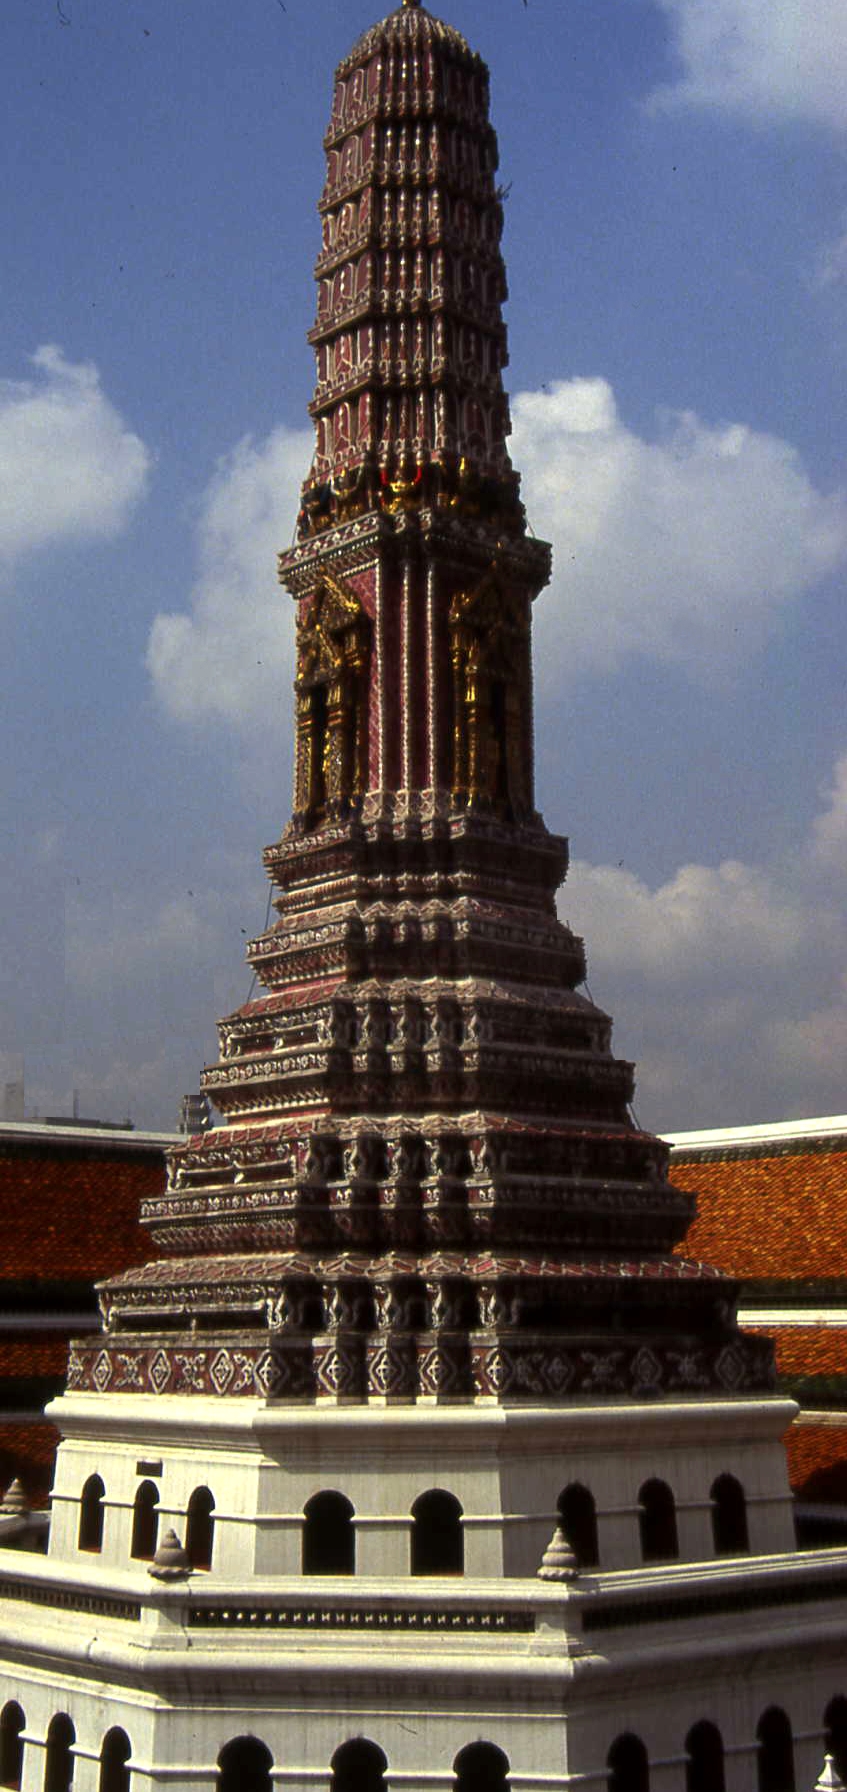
(419,1360)
(427,1185)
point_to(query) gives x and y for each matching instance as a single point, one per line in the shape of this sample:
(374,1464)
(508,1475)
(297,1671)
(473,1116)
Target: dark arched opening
(704,1769)
(12,1722)
(776,1752)
(438,1543)
(729,1517)
(58,1759)
(835,1723)
(358,1766)
(329,1540)
(481,1767)
(145,1522)
(114,1761)
(629,1769)
(91,1515)
(200,1528)
(578,1515)
(244,1765)
(657,1522)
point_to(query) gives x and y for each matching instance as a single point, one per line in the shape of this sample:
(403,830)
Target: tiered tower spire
(427,1184)
(463,1486)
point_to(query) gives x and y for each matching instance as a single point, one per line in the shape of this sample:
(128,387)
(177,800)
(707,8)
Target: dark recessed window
(438,1543)
(329,1540)
(12,1722)
(244,1765)
(358,1766)
(145,1522)
(629,1769)
(200,1528)
(58,1760)
(481,1767)
(114,1762)
(729,1517)
(704,1769)
(657,1522)
(91,1515)
(776,1752)
(578,1515)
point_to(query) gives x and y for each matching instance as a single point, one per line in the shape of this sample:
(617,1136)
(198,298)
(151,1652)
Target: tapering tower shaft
(413,572)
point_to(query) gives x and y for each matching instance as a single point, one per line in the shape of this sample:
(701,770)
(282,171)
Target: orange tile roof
(28,1452)
(808,1349)
(71,1215)
(783,1215)
(817,1462)
(36,1355)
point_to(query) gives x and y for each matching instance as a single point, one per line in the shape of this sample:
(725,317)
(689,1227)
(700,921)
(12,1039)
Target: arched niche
(12,1723)
(627,1765)
(437,1542)
(244,1765)
(145,1522)
(578,1514)
(775,1757)
(91,1515)
(200,1528)
(729,1517)
(115,1751)
(329,1538)
(657,1522)
(481,1767)
(704,1766)
(358,1766)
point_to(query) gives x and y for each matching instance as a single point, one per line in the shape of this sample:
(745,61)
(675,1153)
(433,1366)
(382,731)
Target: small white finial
(171,1561)
(829,1780)
(558,1561)
(14,1503)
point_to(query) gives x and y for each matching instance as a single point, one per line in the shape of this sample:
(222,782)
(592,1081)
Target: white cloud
(727,980)
(686,549)
(830,268)
(230,655)
(733,915)
(70,469)
(829,831)
(764,59)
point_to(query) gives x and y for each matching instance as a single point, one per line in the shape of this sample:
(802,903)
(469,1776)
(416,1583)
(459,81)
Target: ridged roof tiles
(779,1214)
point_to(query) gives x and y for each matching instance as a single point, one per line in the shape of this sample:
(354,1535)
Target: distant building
(70,1193)
(195,1114)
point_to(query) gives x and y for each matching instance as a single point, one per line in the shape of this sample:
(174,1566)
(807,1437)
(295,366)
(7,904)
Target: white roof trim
(828,1126)
(39,1132)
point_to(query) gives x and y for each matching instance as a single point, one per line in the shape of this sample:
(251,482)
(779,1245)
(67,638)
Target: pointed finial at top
(411,2)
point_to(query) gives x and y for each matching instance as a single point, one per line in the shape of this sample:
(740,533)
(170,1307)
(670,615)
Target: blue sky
(676,238)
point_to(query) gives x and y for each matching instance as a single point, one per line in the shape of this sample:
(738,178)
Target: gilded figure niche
(333,646)
(490,653)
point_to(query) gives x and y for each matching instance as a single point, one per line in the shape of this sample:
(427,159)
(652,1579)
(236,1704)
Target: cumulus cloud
(722,978)
(830,267)
(829,831)
(760,59)
(229,656)
(687,548)
(70,468)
